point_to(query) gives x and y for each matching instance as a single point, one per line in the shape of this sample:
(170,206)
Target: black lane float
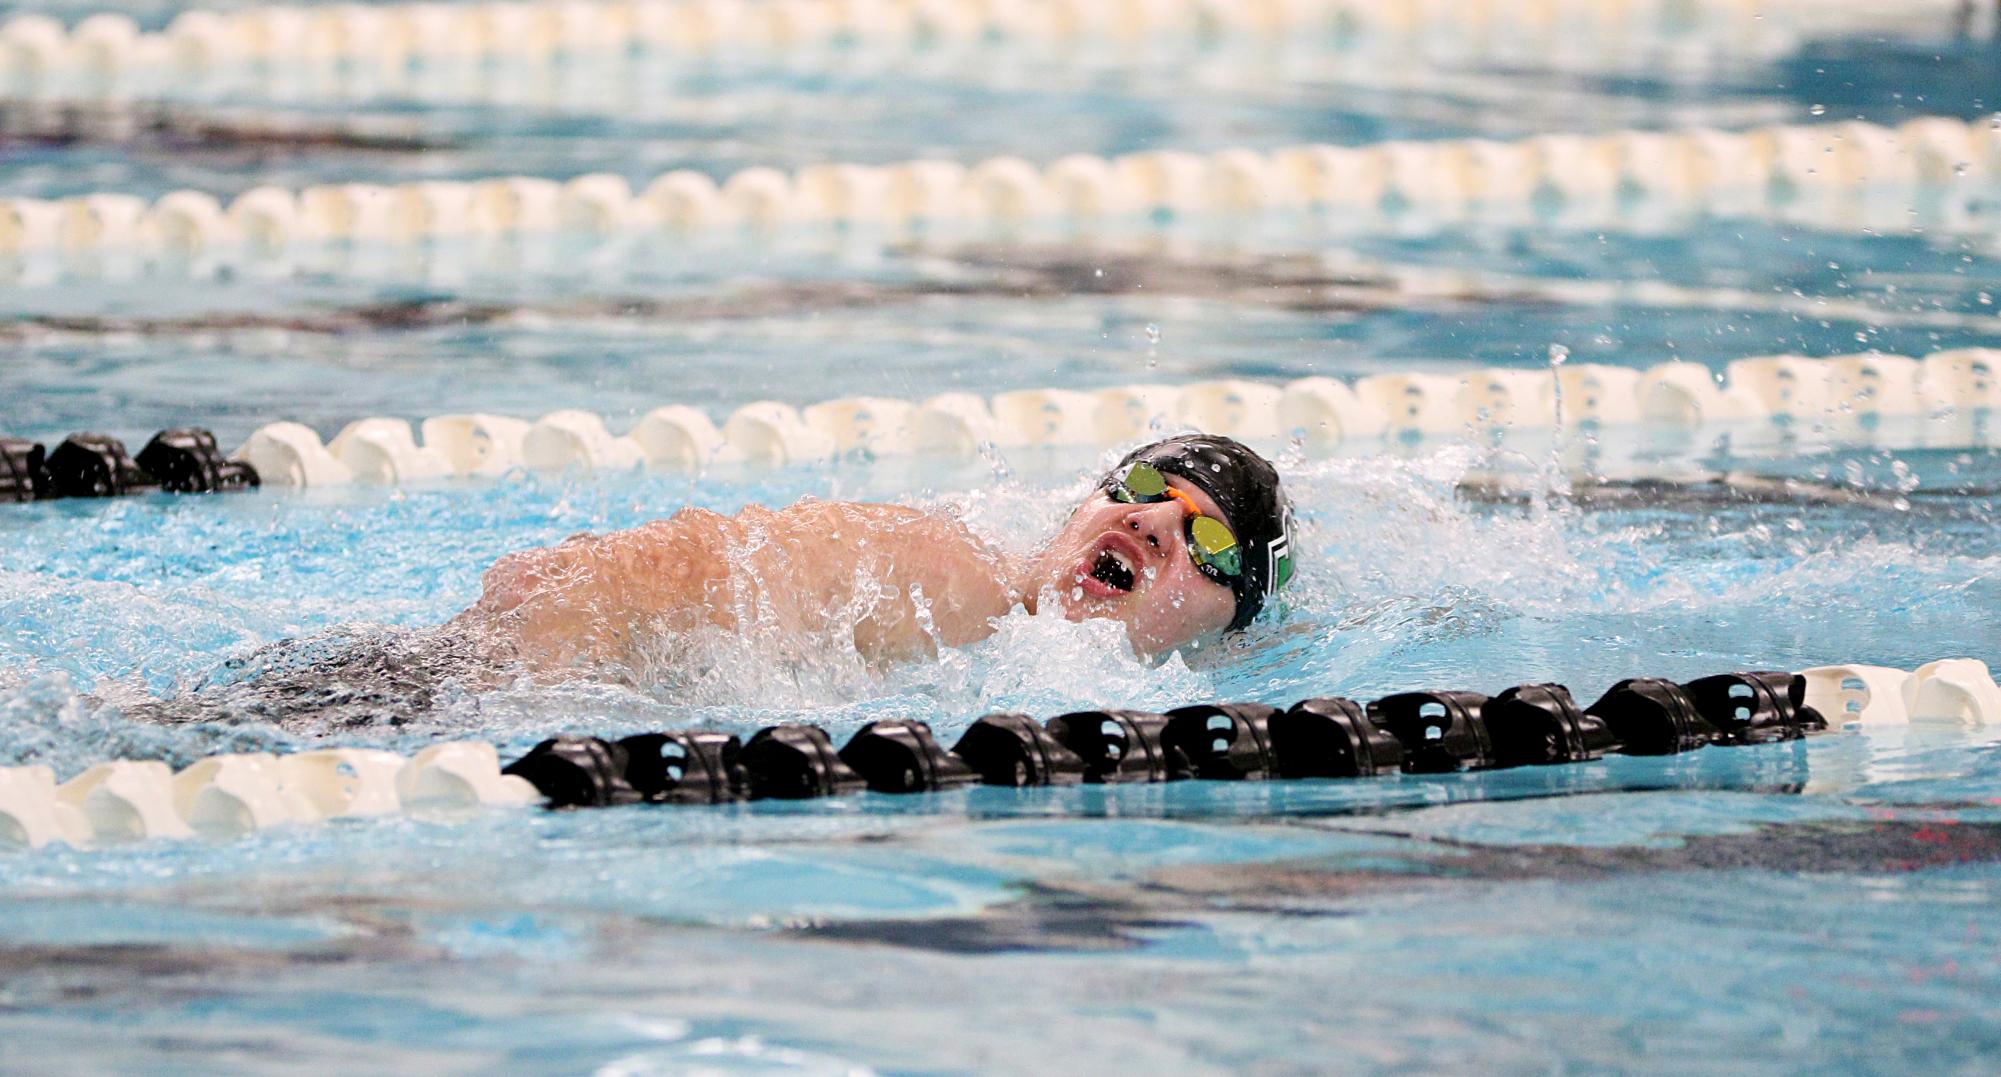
(1326,737)
(180,461)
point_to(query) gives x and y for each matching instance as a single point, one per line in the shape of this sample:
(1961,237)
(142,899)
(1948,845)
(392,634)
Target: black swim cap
(1245,486)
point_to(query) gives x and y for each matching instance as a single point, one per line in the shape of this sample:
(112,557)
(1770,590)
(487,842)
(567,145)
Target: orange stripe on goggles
(1210,541)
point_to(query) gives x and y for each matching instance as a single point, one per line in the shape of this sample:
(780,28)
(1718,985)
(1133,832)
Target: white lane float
(1959,691)
(676,437)
(574,438)
(126,801)
(772,434)
(953,425)
(1046,417)
(1131,412)
(226,796)
(476,443)
(1324,412)
(291,454)
(874,424)
(385,451)
(459,775)
(31,815)
(1860,694)
(341,783)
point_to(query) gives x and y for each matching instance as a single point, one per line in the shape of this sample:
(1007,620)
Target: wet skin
(896,582)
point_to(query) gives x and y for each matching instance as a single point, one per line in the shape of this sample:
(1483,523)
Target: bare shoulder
(860,513)
(887,527)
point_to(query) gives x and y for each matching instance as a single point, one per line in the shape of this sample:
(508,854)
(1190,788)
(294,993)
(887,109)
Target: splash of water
(1399,575)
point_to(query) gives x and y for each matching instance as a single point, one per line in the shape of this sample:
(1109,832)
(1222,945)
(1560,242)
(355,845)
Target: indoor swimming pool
(1823,904)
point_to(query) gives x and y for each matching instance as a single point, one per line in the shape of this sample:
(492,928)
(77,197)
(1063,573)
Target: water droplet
(1557,354)
(1152,333)
(1077,594)
(1097,272)
(1817,110)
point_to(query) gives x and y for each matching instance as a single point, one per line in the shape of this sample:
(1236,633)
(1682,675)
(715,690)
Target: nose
(1157,524)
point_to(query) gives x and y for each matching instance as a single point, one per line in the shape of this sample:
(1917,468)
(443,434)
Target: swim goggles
(1210,541)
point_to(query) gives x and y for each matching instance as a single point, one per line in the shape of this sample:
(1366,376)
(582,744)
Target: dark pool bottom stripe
(1329,737)
(179,461)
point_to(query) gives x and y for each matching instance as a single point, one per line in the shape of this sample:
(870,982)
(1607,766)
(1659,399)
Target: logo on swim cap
(1280,555)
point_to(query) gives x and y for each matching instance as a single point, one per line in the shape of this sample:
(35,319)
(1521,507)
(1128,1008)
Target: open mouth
(1112,570)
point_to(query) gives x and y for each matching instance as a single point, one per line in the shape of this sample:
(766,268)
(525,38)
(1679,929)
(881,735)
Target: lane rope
(1948,399)
(1411,733)
(1942,400)
(1844,176)
(110,50)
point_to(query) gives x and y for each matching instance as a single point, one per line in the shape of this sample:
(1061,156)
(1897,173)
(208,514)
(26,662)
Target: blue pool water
(1790,904)
(1818,906)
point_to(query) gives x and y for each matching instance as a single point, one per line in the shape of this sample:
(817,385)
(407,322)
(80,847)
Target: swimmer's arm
(595,600)
(965,586)
(590,599)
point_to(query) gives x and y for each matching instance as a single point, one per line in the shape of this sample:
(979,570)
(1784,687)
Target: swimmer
(1185,539)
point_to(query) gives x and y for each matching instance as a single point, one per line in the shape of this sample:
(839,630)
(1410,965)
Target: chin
(1078,608)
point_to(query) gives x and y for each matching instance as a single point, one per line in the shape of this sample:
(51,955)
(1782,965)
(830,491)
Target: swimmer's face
(1130,563)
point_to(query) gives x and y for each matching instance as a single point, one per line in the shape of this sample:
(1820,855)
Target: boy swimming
(1184,539)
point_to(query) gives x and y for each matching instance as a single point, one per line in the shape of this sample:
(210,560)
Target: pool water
(1827,905)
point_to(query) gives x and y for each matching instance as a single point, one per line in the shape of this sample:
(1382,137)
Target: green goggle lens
(1214,545)
(1142,482)
(1210,541)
